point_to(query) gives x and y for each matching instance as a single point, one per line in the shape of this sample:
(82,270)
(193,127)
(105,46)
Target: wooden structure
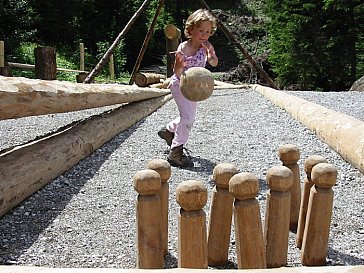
(316,235)
(163,168)
(289,154)
(343,133)
(143,79)
(45,63)
(148,209)
(22,97)
(191,195)
(220,215)
(310,162)
(248,227)
(277,215)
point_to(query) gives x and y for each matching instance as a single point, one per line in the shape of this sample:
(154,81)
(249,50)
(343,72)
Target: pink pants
(181,126)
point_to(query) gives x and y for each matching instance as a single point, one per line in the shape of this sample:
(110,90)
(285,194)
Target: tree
(314,43)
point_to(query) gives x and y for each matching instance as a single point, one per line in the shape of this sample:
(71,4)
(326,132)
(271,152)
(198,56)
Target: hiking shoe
(177,158)
(166,135)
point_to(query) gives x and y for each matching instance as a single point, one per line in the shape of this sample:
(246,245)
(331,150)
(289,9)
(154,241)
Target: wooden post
(221,212)
(4,67)
(317,226)
(82,56)
(148,209)
(191,195)
(248,227)
(45,63)
(280,180)
(162,167)
(310,162)
(289,154)
(111,67)
(2,55)
(173,36)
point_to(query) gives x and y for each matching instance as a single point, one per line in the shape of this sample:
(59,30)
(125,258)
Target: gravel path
(86,217)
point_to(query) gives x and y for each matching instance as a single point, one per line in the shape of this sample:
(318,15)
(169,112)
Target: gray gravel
(86,217)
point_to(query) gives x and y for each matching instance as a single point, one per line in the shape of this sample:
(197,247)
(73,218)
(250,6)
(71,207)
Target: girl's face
(202,32)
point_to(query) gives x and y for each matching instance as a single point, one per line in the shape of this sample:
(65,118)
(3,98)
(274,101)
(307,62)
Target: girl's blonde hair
(195,19)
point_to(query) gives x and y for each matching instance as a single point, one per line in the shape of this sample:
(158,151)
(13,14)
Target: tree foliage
(315,43)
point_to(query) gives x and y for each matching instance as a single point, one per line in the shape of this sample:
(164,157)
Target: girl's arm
(179,62)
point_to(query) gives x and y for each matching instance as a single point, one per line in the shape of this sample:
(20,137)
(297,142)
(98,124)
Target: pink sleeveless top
(199,59)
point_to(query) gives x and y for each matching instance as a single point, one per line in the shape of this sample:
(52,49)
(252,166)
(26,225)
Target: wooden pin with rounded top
(191,195)
(220,215)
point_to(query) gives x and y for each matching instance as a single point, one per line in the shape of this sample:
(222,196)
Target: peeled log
(21,97)
(145,79)
(27,168)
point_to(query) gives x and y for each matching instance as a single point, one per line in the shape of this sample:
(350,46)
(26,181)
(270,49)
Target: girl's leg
(182,125)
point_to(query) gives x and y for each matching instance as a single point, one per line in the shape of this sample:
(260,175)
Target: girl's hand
(211,55)
(178,64)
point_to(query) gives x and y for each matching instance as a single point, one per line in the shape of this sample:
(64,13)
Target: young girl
(196,51)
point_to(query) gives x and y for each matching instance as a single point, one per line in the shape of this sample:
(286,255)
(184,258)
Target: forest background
(303,45)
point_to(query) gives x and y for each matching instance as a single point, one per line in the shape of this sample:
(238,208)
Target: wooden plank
(21,97)
(27,168)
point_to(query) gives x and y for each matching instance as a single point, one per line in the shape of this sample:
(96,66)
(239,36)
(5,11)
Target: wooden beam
(27,168)
(21,97)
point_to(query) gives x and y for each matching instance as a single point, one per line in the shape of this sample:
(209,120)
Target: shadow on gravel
(21,226)
(344,258)
(202,165)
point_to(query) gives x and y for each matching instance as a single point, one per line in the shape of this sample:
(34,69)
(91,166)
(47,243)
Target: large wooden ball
(197,84)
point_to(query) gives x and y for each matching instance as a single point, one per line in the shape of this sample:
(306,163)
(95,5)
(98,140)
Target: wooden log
(280,180)
(221,212)
(341,132)
(143,79)
(148,214)
(191,195)
(57,153)
(162,167)
(316,234)
(21,97)
(45,63)
(248,226)
(289,154)
(310,162)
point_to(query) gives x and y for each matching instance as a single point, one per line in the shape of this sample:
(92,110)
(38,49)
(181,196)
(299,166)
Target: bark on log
(56,154)
(144,79)
(20,97)
(45,63)
(341,132)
